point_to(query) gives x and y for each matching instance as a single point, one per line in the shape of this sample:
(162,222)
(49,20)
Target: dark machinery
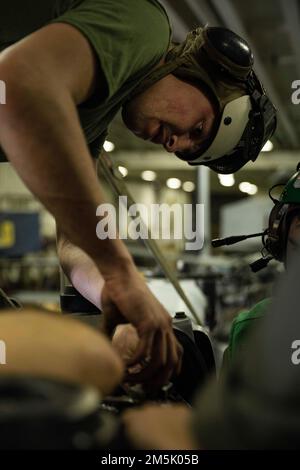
(32,408)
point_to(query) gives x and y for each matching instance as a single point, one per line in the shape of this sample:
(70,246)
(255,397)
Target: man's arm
(47,74)
(80,270)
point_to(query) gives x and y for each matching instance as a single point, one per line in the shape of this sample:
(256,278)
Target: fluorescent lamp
(173,183)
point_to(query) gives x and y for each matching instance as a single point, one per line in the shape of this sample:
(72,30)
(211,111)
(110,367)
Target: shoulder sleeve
(128,37)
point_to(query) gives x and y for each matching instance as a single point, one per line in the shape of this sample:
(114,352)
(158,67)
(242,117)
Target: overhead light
(173,183)
(148,175)
(123,171)
(108,146)
(248,188)
(226,180)
(267,147)
(253,189)
(188,186)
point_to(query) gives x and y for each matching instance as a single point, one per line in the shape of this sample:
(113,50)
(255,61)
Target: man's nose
(180,143)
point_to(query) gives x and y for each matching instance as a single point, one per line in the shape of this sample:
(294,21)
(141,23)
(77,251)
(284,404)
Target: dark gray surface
(91,320)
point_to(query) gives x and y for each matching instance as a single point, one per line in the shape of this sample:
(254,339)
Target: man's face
(172,113)
(293,242)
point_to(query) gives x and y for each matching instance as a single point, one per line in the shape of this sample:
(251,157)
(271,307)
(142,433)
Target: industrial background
(234,204)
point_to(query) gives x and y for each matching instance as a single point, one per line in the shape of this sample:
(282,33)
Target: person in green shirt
(68,66)
(281,243)
(255,404)
(240,329)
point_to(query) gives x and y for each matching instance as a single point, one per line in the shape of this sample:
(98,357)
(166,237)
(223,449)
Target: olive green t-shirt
(129,38)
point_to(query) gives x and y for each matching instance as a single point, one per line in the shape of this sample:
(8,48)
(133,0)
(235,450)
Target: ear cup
(292,211)
(230,52)
(275,242)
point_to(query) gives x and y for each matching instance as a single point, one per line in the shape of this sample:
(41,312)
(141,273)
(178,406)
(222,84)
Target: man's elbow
(26,85)
(17,81)
(9,89)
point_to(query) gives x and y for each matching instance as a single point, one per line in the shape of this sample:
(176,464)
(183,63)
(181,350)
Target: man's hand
(127,299)
(160,427)
(126,342)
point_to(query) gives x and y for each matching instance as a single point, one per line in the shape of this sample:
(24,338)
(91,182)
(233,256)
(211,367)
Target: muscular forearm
(80,270)
(41,135)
